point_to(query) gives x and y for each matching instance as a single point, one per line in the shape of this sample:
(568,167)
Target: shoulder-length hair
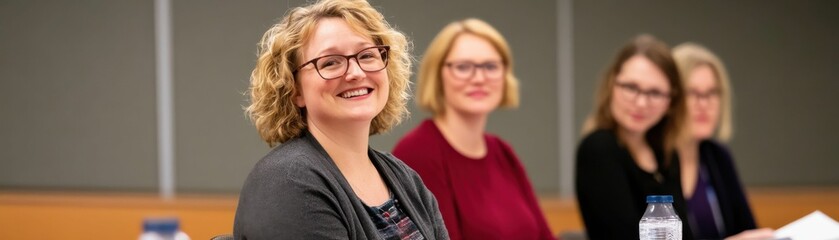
(272,82)
(689,56)
(430,87)
(669,131)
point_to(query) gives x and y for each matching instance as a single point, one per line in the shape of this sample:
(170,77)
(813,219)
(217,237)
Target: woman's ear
(299,100)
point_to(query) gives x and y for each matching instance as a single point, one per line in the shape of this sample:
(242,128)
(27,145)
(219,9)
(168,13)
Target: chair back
(222,237)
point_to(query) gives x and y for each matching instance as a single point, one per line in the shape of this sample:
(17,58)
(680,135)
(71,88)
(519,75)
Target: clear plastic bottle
(162,229)
(660,221)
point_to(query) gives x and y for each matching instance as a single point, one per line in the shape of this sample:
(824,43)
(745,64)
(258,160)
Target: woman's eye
(633,88)
(463,67)
(366,55)
(656,94)
(328,62)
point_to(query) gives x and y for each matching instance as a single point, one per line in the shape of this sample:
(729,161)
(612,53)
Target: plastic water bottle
(162,229)
(660,221)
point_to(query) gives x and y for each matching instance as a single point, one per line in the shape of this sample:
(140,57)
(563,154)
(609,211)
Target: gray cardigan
(297,192)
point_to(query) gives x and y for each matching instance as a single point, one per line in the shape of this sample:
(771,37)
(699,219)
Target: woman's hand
(762,233)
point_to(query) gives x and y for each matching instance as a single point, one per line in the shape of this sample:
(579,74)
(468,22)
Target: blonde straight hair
(430,87)
(689,56)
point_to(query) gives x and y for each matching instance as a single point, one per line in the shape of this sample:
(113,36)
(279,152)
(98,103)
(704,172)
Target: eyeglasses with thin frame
(712,95)
(371,59)
(631,92)
(465,70)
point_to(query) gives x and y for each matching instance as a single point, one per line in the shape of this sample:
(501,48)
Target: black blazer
(612,189)
(736,213)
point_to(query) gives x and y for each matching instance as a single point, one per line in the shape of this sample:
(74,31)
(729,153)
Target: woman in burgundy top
(480,185)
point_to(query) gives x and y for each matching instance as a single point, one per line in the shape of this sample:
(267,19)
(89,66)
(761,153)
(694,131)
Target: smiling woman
(328,76)
(631,135)
(334,87)
(466,74)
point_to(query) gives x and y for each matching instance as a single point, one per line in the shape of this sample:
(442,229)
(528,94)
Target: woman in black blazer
(716,202)
(631,136)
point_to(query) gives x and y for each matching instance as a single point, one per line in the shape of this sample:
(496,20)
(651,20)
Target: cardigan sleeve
(416,152)
(287,200)
(527,191)
(603,190)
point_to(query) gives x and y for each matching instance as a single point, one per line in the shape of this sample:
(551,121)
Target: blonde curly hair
(273,86)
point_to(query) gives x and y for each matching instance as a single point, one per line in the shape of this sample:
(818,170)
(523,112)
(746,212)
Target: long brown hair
(669,131)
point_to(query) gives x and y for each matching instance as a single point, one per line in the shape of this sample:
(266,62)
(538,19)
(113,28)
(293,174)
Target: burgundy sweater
(487,198)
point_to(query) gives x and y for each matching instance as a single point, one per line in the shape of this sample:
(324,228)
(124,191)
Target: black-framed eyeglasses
(372,59)
(632,91)
(465,70)
(709,95)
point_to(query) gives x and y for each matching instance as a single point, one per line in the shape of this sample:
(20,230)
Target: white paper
(815,226)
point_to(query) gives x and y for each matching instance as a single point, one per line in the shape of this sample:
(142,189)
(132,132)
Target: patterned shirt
(392,222)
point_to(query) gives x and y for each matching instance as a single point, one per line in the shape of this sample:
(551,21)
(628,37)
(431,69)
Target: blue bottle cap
(660,199)
(161,225)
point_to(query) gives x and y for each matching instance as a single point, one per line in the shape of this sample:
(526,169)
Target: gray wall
(215,50)
(77,95)
(77,84)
